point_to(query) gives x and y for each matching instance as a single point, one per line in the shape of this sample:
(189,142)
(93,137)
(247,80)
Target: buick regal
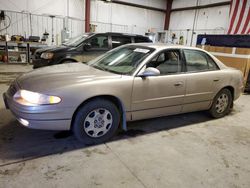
(132,82)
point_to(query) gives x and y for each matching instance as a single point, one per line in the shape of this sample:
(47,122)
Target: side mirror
(150,71)
(87,47)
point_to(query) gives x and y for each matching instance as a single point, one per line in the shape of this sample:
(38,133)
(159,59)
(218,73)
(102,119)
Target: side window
(142,39)
(167,62)
(211,64)
(120,40)
(198,61)
(99,42)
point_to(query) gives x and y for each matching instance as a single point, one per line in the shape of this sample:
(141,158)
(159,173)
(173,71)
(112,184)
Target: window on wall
(167,62)
(198,61)
(99,42)
(120,40)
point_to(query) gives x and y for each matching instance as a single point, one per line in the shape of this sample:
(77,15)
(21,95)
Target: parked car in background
(83,48)
(129,83)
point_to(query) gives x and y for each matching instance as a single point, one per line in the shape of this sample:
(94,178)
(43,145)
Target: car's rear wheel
(221,104)
(96,121)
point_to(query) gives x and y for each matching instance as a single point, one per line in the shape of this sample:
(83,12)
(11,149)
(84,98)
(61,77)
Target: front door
(161,95)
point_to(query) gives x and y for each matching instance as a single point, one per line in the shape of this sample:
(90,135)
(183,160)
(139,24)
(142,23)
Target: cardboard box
(245,51)
(238,58)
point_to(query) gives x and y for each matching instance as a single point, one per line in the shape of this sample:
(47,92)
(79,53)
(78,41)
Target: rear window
(120,40)
(142,39)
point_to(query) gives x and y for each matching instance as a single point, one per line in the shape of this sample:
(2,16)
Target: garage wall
(210,20)
(41,7)
(122,18)
(31,17)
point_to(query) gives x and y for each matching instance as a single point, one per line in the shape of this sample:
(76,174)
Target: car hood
(53,49)
(64,75)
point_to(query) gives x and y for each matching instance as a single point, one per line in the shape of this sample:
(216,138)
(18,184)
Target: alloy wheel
(98,122)
(221,103)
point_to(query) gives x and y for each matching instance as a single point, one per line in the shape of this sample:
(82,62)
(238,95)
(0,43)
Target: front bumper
(46,117)
(37,63)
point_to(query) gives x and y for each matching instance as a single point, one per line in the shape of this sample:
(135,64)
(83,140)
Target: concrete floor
(189,150)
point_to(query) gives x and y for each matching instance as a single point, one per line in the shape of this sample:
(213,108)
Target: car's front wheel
(96,121)
(221,104)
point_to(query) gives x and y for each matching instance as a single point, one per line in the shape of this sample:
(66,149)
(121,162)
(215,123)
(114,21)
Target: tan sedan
(129,83)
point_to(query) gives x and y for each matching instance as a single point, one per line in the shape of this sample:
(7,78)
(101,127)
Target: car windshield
(75,41)
(123,60)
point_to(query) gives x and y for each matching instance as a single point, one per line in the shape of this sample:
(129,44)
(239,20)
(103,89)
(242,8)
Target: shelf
(22,44)
(24,52)
(14,50)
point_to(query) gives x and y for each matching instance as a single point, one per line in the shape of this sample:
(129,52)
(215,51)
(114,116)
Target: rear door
(118,40)
(98,46)
(202,75)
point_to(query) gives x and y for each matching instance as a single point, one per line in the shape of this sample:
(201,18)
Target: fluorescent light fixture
(117,59)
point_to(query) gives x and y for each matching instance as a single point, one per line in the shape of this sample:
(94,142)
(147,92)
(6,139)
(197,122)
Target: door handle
(216,80)
(178,84)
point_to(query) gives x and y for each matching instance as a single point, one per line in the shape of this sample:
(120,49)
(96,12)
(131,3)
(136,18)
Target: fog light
(24,122)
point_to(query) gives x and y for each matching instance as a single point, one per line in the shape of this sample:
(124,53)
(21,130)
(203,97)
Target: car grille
(12,89)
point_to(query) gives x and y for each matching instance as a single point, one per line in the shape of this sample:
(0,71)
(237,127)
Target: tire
(222,104)
(96,122)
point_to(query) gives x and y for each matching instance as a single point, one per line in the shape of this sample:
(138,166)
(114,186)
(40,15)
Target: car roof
(121,34)
(161,46)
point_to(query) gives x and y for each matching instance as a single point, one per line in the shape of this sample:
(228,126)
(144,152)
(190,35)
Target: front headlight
(30,98)
(47,55)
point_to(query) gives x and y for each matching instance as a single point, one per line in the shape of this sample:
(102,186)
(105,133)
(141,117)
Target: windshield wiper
(108,70)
